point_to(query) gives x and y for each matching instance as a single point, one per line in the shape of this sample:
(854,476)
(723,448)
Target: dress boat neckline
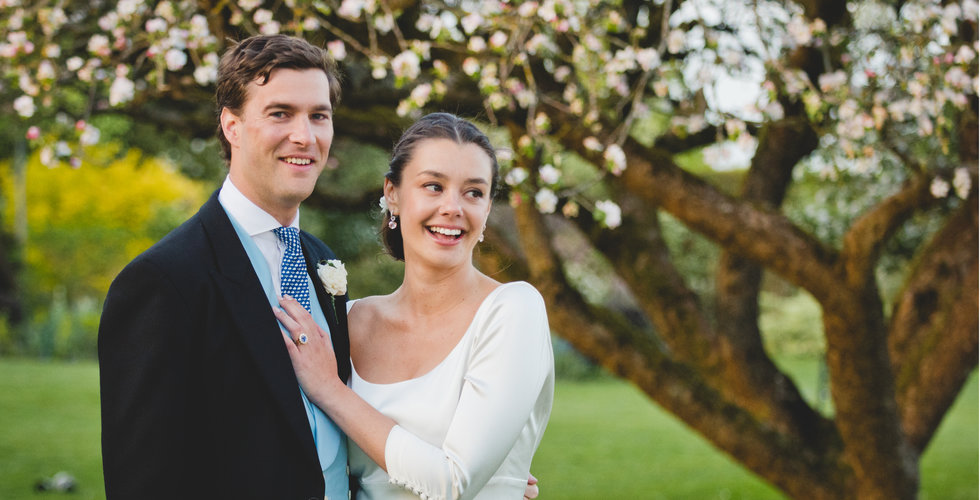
(469,328)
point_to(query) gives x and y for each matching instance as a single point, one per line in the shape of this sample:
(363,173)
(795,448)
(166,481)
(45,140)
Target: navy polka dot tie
(293,281)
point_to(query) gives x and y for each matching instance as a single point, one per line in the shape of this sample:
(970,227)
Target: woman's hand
(531,490)
(313,361)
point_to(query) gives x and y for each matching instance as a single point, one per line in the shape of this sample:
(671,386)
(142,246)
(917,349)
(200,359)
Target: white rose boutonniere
(333,275)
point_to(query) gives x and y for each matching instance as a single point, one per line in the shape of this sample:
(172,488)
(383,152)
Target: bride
(453,373)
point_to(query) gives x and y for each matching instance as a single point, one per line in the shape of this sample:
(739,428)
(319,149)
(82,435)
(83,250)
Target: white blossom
(610,213)
(207,72)
(122,90)
(420,95)
(476,44)
(549,174)
(24,106)
(592,144)
(615,159)
(166,11)
(515,176)
(248,5)
(546,201)
(46,155)
(99,45)
(964,55)
(156,25)
(962,182)
(126,8)
(384,24)
(176,59)
(527,9)
(547,12)
(270,28)
(351,9)
(406,65)
(471,66)
(675,41)
(832,81)
(333,275)
(648,59)
(90,135)
(799,30)
(939,187)
(337,49)
(379,67)
(471,22)
(498,39)
(45,70)
(52,50)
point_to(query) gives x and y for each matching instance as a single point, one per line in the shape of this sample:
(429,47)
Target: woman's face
(443,201)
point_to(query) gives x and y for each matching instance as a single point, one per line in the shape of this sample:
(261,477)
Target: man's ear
(230,126)
(391,197)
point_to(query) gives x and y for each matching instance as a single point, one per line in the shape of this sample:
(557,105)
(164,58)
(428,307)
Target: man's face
(281,139)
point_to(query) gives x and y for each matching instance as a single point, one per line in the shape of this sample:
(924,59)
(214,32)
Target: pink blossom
(337,49)
(33,133)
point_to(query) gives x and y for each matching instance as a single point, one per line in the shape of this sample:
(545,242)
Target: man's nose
(302,132)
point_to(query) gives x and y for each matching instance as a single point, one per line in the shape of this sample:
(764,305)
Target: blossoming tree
(866,96)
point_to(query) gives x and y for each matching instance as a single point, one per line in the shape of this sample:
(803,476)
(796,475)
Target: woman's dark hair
(254,58)
(431,126)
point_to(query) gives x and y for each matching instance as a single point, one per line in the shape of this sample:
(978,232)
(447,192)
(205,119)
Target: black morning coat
(199,399)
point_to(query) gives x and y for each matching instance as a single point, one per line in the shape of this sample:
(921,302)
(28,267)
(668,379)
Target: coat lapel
(252,316)
(334,307)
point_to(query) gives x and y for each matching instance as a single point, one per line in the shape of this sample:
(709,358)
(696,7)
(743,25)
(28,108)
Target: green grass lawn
(605,440)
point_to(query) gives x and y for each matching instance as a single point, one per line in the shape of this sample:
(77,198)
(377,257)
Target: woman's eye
(475,193)
(433,187)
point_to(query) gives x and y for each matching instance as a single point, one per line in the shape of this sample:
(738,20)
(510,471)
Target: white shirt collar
(252,218)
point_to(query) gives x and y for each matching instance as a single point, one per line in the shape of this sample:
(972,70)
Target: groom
(199,399)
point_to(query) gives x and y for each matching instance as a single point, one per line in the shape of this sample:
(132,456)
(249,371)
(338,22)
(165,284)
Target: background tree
(874,104)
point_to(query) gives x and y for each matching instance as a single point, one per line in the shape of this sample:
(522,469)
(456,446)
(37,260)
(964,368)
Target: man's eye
(321,116)
(278,114)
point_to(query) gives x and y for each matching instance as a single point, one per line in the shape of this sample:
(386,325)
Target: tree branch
(933,335)
(792,465)
(867,236)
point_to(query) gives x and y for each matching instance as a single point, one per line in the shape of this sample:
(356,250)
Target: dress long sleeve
(495,421)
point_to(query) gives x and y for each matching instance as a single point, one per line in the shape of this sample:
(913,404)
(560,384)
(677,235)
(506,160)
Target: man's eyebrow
(290,107)
(440,175)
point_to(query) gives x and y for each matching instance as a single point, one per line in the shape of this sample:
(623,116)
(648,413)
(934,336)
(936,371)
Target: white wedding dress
(470,426)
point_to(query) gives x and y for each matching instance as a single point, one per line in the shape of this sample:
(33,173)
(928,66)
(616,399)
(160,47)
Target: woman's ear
(391,197)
